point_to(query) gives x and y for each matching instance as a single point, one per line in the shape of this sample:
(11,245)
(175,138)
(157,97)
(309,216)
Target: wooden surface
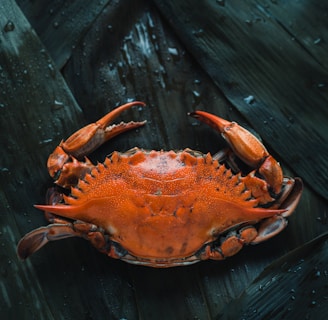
(54,81)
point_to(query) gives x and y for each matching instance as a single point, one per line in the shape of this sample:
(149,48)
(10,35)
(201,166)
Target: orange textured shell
(159,204)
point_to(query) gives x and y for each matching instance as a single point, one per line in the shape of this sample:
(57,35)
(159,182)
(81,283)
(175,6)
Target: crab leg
(36,239)
(63,163)
(250,150)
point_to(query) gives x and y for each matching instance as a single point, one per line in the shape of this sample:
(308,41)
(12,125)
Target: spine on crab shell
(67,211)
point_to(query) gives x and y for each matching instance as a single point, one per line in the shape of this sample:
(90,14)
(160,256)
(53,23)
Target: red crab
(165,208)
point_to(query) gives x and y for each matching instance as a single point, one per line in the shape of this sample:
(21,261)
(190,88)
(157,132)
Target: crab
(165,208)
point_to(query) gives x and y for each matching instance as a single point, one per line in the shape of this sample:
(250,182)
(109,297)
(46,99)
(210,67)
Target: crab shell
(162,208)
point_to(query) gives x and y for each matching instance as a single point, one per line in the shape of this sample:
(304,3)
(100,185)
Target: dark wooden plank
(61,24)
(307,26)
(34,100)
(294,286)
(278,83)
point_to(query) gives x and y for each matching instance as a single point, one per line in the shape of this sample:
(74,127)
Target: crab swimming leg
(62,228)
(63,163)
(36,239)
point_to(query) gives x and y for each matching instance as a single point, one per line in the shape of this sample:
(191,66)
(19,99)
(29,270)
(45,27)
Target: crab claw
(86,140)
(246,147)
